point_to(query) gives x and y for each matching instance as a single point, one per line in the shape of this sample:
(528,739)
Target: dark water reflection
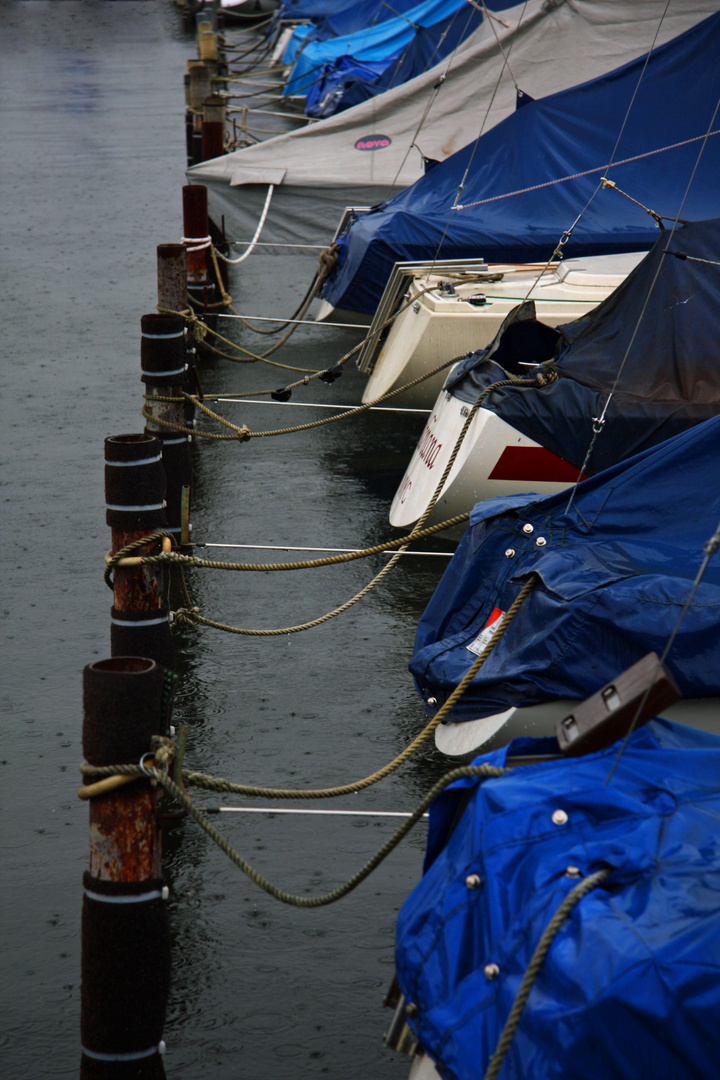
(91,123)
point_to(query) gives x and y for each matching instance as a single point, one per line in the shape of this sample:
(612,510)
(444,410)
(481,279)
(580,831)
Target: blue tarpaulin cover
(670,359)
(614,573)
(630,989)
(550,139)
(331,18)
(344,83)
(375,41)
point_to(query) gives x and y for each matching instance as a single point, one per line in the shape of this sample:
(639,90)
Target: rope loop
(111,561)
(327,260)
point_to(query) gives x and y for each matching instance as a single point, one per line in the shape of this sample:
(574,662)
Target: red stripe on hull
(534,463)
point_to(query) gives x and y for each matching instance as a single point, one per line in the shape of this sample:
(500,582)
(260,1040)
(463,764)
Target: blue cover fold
(630,987)
(615,572)
(652,343)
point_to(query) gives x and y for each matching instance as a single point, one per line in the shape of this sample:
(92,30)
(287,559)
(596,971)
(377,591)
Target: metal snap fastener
(473,881)
(432,702)
(528,528)
(573,871)
(541,541)
(491,971)
(559,817)
(509,552)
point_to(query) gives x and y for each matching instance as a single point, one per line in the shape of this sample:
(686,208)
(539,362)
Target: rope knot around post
(186,616)
(196,328)
(164,751)
(327,260)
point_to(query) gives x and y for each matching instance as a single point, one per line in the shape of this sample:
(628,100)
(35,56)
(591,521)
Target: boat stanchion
(135,501)
(164,372)
(196,237)
(125,932)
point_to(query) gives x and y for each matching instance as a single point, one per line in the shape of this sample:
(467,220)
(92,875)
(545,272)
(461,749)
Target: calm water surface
(92,135)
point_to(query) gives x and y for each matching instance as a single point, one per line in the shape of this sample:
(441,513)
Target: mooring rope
(293,899)
(176,558)
(215,784)
(191,614)
(531,972)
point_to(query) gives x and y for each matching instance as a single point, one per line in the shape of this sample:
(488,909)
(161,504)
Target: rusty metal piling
(125,932)
(135,500)
(165,375)
(196,237)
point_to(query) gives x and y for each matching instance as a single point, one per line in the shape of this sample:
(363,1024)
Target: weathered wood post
(125,933)
(165,374)
(135,502)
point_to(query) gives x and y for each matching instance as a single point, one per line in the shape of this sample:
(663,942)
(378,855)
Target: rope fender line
(536,961)
(292,899)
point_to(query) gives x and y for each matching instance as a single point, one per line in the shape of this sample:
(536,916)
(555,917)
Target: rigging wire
(599,421)
(435,90)
(568,232)
(506,58)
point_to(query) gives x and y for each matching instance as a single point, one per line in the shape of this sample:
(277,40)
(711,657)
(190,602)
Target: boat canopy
(614,573)
(374,42)
(334,163)
(651,348)
(515,205)
(629,986)
(346,81)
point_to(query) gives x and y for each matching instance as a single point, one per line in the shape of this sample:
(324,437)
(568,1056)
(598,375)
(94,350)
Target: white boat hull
(494,459)
(437,326)
(470,736)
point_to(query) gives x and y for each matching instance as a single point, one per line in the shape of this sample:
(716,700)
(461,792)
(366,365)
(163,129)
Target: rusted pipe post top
(195,230)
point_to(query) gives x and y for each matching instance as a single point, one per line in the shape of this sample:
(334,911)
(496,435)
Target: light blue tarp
(614,573)
(378,41)
(569,134)
(345,82)
(630,988)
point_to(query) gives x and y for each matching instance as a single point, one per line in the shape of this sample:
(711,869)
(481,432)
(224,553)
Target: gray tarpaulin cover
(551,45)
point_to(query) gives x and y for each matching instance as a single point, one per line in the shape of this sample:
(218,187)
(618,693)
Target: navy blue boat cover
(522,210)
(630,987)
(661,326)
(614,574)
